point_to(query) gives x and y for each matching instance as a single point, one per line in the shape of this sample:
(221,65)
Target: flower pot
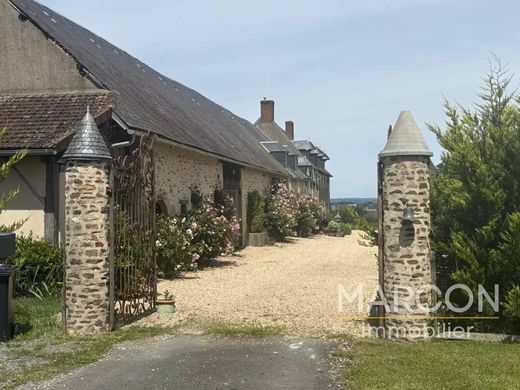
(165,307)
(257,239)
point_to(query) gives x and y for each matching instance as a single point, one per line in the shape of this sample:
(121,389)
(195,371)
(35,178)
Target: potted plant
(256,208)
(166,305)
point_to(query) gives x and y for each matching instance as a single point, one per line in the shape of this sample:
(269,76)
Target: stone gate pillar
(87,231)
(406,263)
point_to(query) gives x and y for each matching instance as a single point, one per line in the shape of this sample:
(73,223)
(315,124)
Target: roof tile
(43,121)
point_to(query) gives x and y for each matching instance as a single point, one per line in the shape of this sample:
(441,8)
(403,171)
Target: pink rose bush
(211,229)
(218,228)
(175,250)
(290,214)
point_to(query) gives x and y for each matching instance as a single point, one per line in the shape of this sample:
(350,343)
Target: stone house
(305,160)
(51,69)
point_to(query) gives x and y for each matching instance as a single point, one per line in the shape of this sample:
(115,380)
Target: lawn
(376,364)
(42,350)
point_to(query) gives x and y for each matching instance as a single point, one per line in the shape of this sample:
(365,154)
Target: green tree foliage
(475,197)
(359,219)
(256,217)
(5,168)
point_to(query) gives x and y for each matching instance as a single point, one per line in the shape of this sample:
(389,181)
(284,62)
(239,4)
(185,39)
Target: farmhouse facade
(306,161)
(52,69)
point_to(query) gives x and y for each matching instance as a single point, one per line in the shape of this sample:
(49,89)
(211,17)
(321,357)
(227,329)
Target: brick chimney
(266,111)
(289,129)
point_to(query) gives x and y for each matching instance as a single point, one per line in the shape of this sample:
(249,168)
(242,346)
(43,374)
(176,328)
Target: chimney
(289,129)
(267,111)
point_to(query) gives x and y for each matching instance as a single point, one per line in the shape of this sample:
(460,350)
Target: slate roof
(303,162)
(87,143)
(151,101)
(276,133)
(273,146)
(303,145)
(43,121)
(322,154)
(406,139)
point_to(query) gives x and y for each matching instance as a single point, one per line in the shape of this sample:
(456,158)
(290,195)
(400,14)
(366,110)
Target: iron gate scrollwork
(134,248)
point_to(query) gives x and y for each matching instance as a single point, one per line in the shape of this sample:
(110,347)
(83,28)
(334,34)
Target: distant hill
(353,201)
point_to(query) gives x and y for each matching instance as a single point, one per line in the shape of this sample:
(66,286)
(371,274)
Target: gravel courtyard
(293,286)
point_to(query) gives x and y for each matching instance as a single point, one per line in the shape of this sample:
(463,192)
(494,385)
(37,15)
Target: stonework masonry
(407,265)
(87,228)
(178,170)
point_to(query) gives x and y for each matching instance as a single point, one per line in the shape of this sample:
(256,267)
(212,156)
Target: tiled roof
(43,121)
(150,101)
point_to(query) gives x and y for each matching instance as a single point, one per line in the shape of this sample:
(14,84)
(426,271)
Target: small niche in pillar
(404,252)
(407,233)
(87,236)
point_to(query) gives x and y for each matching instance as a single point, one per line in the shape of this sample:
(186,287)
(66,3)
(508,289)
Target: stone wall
(87,228)
(177,170)
(406,245)
(252,180)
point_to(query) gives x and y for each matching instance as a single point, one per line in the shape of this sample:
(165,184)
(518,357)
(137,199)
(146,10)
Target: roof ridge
(149,100)
(45,93)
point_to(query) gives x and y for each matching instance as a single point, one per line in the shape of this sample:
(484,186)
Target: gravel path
(293,286)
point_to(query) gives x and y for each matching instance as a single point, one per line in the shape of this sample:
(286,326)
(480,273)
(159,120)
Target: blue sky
(341,70)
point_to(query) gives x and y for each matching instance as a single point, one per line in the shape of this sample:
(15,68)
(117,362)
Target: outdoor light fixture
(337,218)
(408,215)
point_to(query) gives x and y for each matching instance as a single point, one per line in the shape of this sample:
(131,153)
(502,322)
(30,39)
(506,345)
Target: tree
(475,197)
(5,168)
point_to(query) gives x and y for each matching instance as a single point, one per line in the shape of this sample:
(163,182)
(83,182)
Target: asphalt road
(205,362)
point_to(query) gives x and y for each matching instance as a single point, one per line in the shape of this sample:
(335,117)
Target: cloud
(342,70)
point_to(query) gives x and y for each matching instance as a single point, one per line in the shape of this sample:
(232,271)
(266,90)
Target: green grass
(46,351)
(37,318)
(376,364)
(243,330)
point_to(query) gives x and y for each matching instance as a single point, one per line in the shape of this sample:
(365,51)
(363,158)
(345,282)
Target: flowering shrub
(217,227)
(288,213)
(282,211)
(319,212)
(175,252)
(311,215)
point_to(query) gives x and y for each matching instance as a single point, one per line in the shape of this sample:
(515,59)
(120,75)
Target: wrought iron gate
(134,253)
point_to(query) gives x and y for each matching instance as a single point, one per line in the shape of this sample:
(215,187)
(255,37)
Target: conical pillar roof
(406,139)
(87,143)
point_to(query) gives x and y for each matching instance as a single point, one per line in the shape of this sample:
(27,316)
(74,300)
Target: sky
(342,70)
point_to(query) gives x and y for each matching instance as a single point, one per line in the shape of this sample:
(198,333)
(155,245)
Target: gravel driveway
(292,285)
